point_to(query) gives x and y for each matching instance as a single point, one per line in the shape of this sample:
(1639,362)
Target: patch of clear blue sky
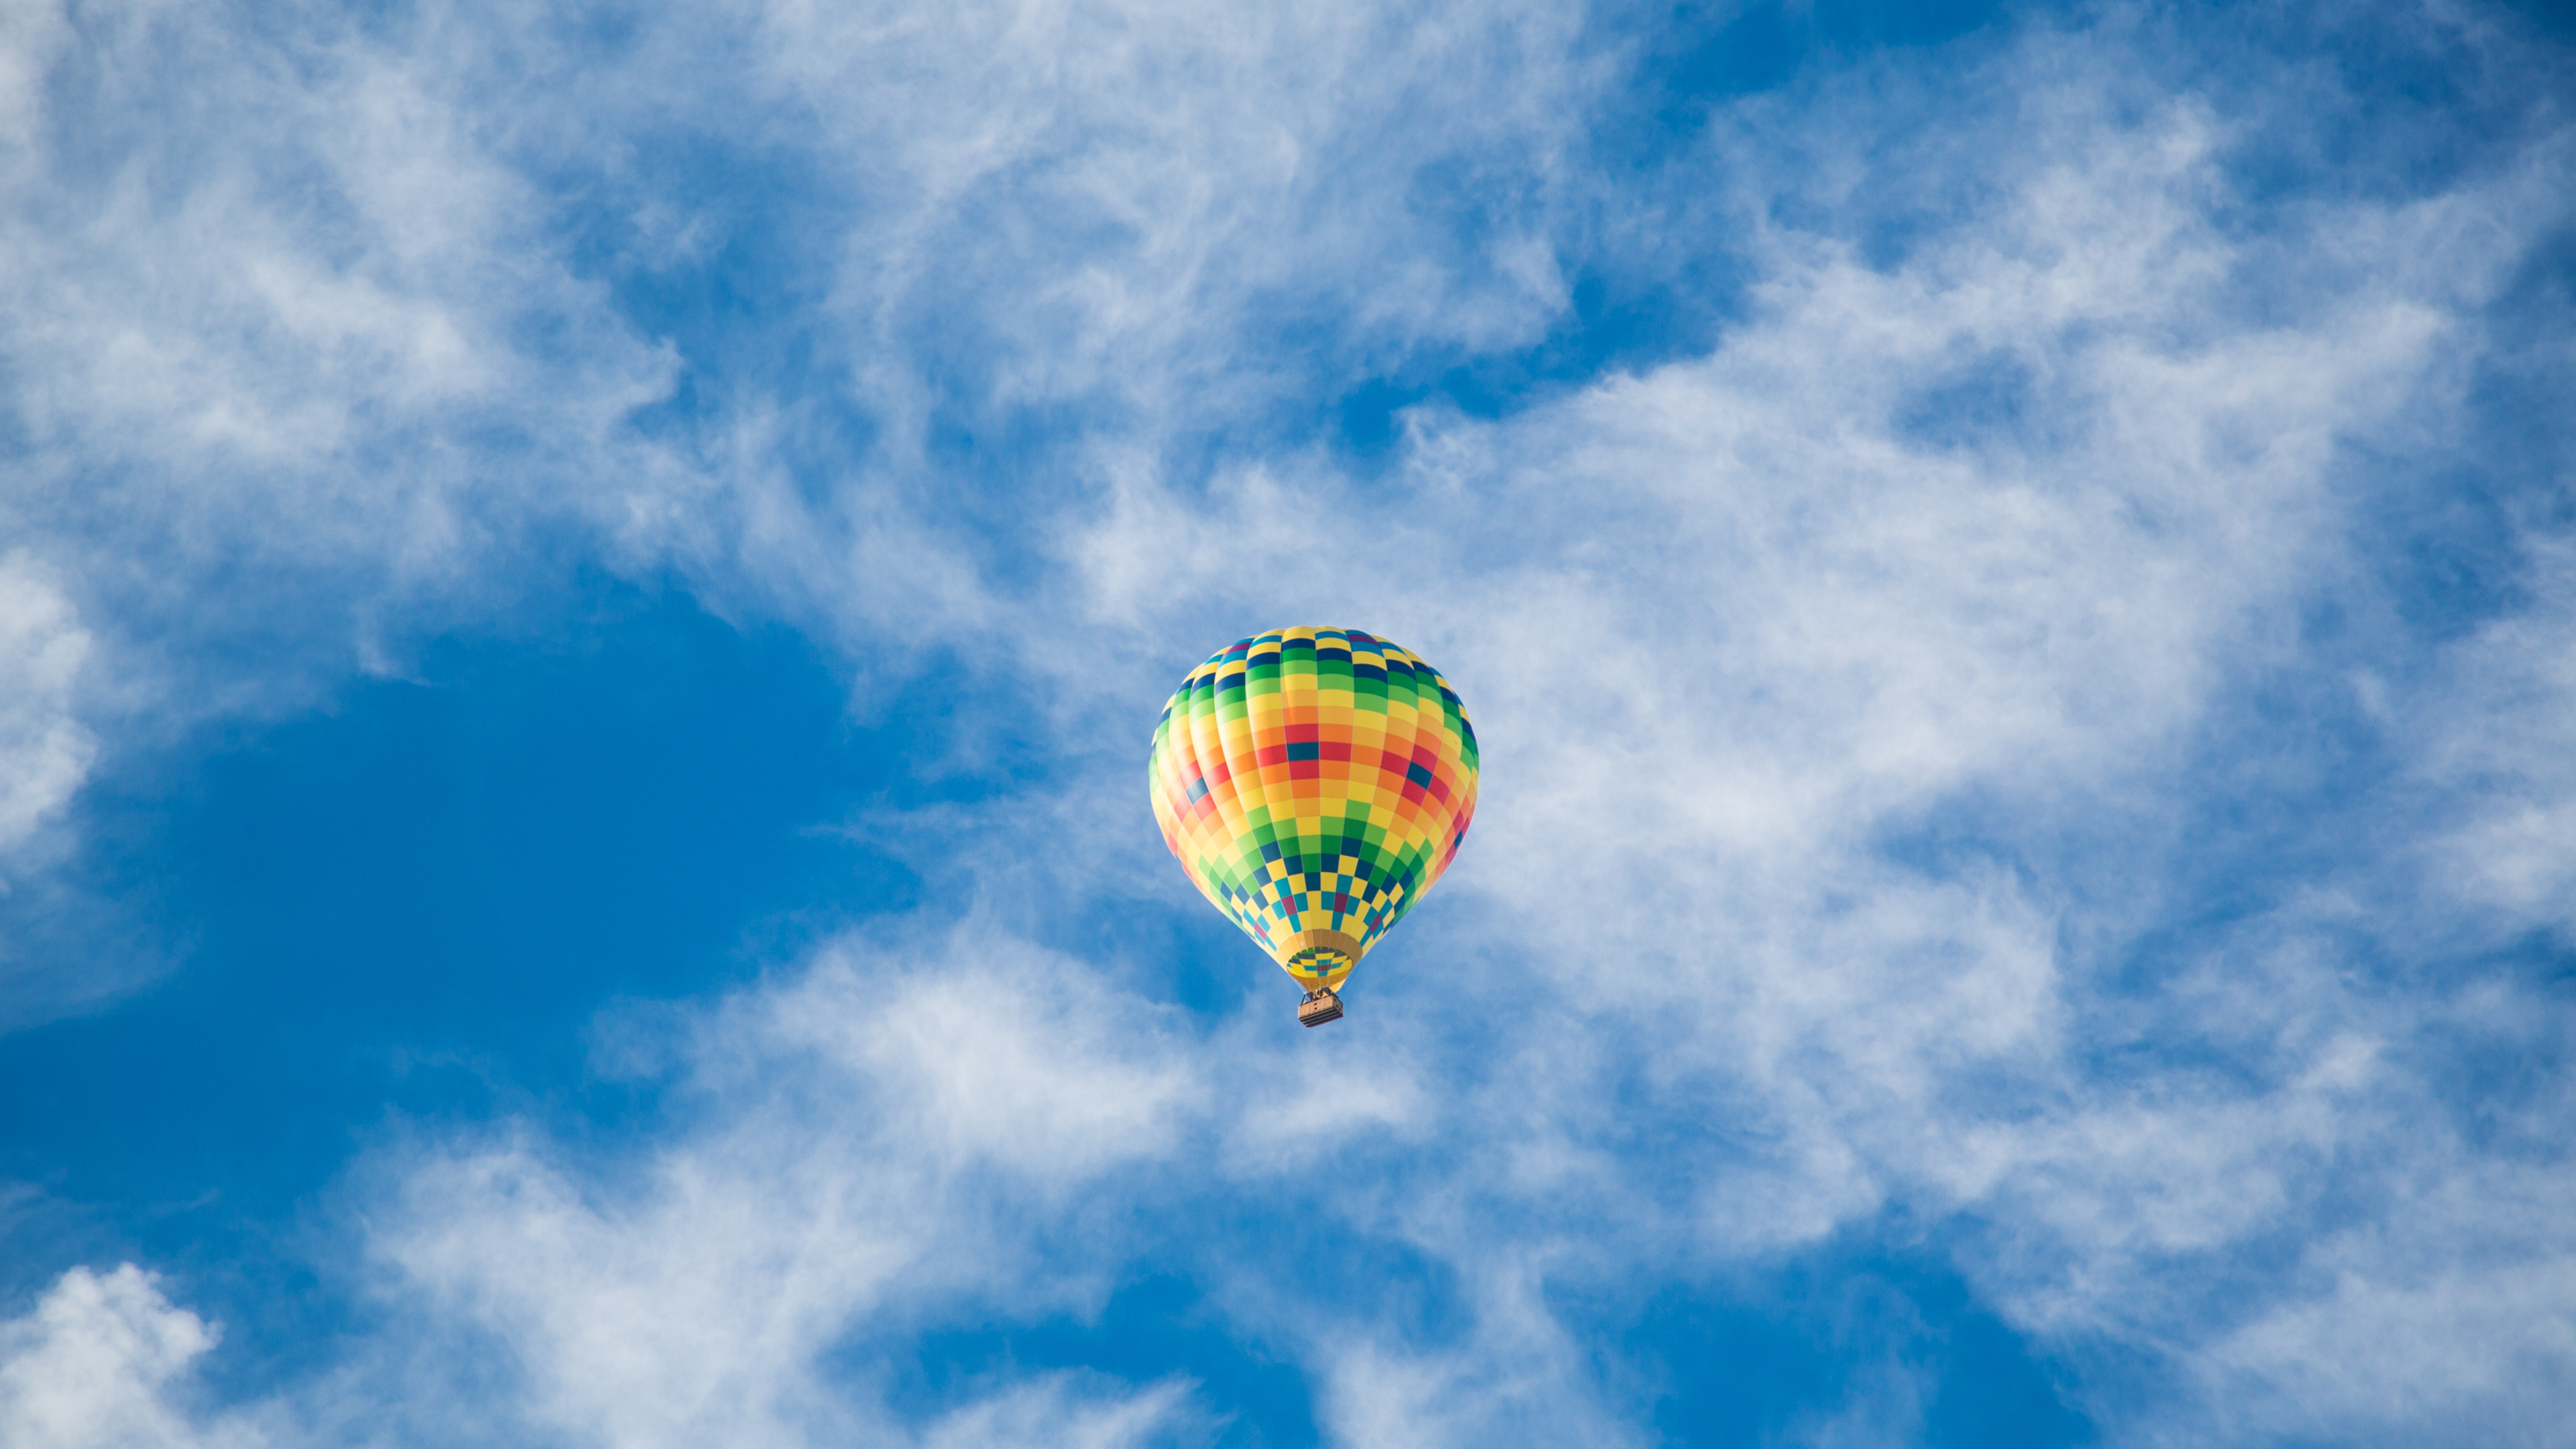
(1753,1362)
(409,908)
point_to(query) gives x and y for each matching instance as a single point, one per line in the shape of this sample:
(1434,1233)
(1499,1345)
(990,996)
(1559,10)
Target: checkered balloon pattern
(1314,783)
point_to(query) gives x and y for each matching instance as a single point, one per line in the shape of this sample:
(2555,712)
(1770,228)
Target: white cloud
(1519,1376)
(1106,194)
(2503,742)
(2458,1308)
(100,1363)
(32,33)
(884,1138)
(45,749)
(103,1362)
(1056,1410)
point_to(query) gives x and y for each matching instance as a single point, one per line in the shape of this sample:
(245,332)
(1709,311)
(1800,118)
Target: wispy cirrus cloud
(45,752)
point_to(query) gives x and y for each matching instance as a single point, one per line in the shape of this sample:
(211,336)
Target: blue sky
(582,594)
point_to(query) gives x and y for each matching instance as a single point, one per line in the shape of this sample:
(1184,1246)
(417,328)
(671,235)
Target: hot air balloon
(1315,783)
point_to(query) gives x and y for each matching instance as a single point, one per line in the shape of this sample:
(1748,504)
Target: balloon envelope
(1314,783)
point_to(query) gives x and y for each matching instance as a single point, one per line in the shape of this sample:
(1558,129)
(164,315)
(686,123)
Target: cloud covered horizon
(2016,582)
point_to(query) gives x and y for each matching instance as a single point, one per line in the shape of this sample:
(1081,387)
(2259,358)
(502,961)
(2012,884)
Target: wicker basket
(1319,1008)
